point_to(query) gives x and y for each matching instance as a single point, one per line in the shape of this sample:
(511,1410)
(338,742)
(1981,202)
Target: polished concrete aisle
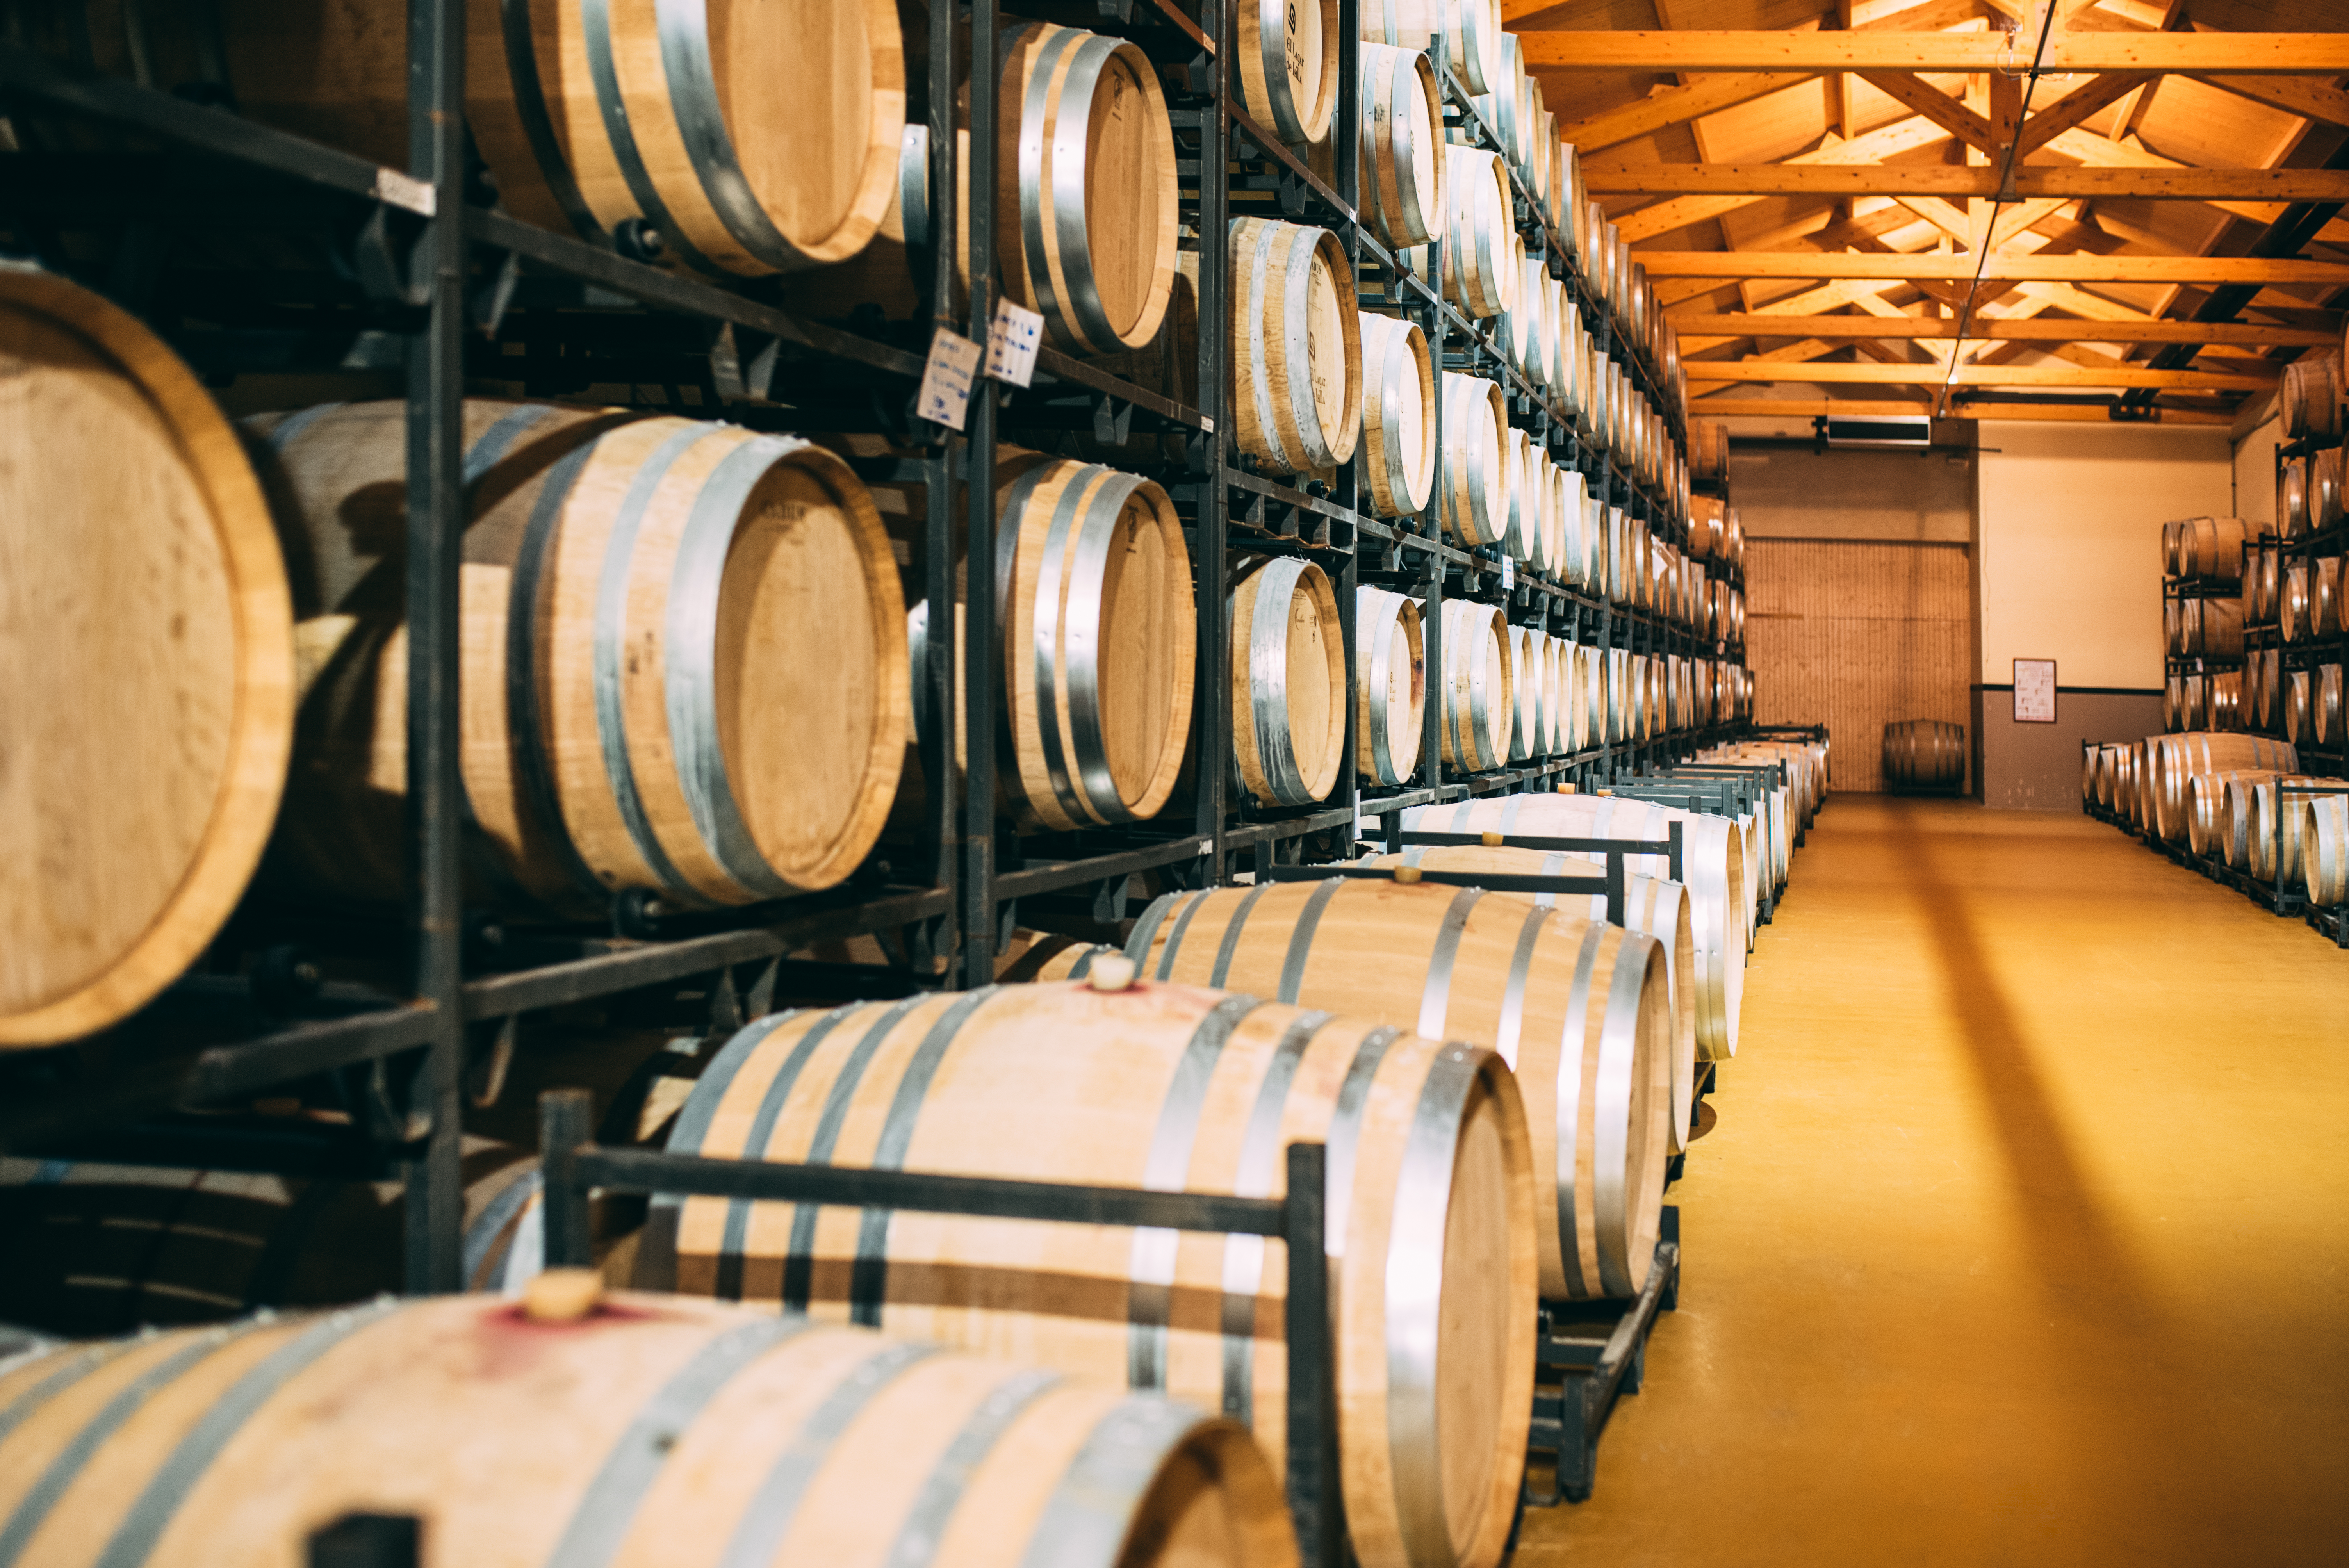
(2023,1237)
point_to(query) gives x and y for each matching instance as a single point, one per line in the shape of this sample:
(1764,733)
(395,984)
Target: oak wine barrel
(1466,30)
(1288,680)
(1577,1008)
(1391,687)
(1403,157)
(1653,907)
(147,656)
(625,1428)
(1525,713)
(684,656)
(2291,498)
(1399,392)
(741,140)
(1924,754)
(1479,693)
(1296,346)
(2172,758)
(1473,482)
(2328,491)
(2324,849)
(1714,868)
(1481,249)
(1161,1086)
(1288,76)
(2310,397)
(1099,634)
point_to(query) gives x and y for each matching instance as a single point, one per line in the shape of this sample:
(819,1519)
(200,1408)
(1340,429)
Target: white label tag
(1509,573)
(405,191)
(945,396)
(1012,340)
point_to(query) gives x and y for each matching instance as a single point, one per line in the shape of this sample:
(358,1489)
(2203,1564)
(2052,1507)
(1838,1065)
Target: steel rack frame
(1609,885)
(573,1164)
(1590,1369)
(435,286)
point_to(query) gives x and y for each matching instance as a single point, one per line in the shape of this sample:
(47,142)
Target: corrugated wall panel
(1856,637)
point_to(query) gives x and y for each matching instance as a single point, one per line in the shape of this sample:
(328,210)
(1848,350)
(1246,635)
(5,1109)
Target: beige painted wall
(2069,546)
(1900,497)
(2255,472)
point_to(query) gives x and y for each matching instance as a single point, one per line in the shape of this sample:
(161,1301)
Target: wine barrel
(1466,30)
(2329,715)
(2291,498)
(2328,495)
(1390,691)
(2296,608)
(2310,397)
(1653,907)
(1398,415)
(1713,862)
(1161,1086)
(629,1427)
(2172,758)
(1098,625)
(1481,249)
(1579,1009)
(1525,710)
(147,658)
(2324,850)
(684,656)
(1924,754)
(1473,491)
(738,139)
(1403,145)
(1288,76)
(2270,824)
(1479,685)
(2326,589)
(1523,509)
(1288,680)
(1296,346)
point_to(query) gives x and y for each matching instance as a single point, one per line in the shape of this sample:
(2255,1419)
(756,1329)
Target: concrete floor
(2024,1236)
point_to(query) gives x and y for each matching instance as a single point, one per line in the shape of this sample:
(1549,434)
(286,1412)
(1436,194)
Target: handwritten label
(1012,340)
(945,396)
(405,191)
(1509,573)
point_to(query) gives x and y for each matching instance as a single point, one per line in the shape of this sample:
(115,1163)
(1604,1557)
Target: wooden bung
(684,663)
(635,1430)
(147,658)
(1161,1085)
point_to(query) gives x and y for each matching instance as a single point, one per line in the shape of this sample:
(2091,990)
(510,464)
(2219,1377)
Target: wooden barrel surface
(1481,251)
(1099,636)
(748,140)
(1296,346)
(1287,58)
(1589,1037)
(2328,490)
(2324,849)
(2310,397)
(1391,687)
(1474,480)
(1479,685)
(1161,1085)
(1288,680)
(1713,865)
(649,1429)
(684,664)
(1403,145)
(142,588)
(2291,498)
(2270,823)
(1925,754)
(2172,758)
(1090,243)
(1653,907)
(1399,392)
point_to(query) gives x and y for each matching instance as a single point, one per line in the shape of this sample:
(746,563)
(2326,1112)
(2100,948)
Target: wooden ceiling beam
(2310,97)
(2141,183)
(2083,103)
(2193,54)
(1884,141)
(1920,96)
(2004,266)
(1719,406)
(1919,373)
(1995,329)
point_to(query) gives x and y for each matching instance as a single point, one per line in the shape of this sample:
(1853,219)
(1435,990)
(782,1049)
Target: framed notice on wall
(2034,691)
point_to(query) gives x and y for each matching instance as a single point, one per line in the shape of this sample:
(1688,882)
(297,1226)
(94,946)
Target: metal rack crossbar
(1594,1371)
(574,1165)
(1611,883)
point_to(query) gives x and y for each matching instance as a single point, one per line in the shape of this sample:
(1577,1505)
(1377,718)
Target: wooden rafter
(1995,329)
(1719,406)
(2164,182)
(2192,54)
(1925,372)
(1920,96)
(2005,265)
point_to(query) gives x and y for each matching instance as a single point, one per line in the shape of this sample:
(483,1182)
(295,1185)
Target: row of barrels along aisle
(2247,782)
(690,709)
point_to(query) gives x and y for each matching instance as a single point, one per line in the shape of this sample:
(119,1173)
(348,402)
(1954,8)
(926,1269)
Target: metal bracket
(488,305)
(738,378)
(379,270)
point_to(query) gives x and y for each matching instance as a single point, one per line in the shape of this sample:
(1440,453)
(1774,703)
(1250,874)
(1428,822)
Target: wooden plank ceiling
(1816,193)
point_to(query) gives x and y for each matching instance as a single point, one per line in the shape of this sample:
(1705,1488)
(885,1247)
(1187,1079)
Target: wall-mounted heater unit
(1911,430)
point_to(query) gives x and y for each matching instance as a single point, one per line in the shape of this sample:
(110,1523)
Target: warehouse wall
(2068,530)
(1858,611)
(2255,471)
